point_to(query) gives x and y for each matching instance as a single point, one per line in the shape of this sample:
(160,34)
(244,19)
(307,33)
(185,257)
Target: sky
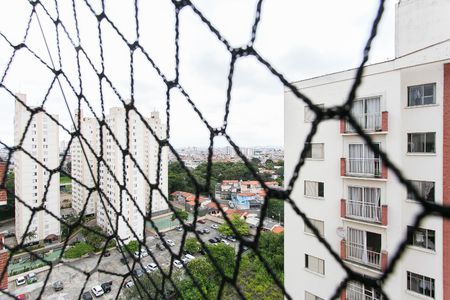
(300,38)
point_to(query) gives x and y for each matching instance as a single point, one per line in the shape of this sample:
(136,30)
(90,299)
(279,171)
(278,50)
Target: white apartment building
(31,180)
(357,205)
(115,207)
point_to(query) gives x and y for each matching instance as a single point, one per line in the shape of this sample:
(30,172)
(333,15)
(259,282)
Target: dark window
(420,284)
(423,142)
(422,94)
(425,189)
(421,237)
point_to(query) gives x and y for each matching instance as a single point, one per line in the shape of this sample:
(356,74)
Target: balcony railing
(367,121)
(358,292)
(357,254)
(363,211)
(368,167)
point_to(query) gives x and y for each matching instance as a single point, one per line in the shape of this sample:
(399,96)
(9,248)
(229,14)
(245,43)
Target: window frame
(309,296)
(309,151)
(412,237)
(409,194)
(319,260)
(317,189)
(424,146)
(420,278)
(422,86)
(315,222)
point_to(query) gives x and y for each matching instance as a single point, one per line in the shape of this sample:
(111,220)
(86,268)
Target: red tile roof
(277,229)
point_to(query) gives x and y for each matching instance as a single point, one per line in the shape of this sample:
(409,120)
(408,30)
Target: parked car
(184,260)
(199,231)
(231,238)
(20,280)
(212,240)
(160,246)
(201,221)
(124,260)
(97,291)
(138,272)
(58,286)
(21,297)
(225,242)
(170,243)
(179,228)
(31,278)
(177,264)
(106,286)
(189,257)
(87,296)
(218,239)
(151,267)
(107,253)
(206,230)
(129,284)
(214,226)
(140,255)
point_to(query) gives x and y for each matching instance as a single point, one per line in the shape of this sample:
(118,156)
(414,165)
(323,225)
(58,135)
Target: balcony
(363,211)
(364,255)
(363,167)
(357,291)
(376,122)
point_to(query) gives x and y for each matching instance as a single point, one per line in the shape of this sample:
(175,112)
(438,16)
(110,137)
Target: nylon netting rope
(39,11)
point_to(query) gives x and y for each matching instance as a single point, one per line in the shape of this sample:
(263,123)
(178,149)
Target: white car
(20,280)
(129,284)
(177,264)
(225,242)
(214,226)
(143,254)
(97,291)
(185,260)
(170,243)
(189,257)
(151,267)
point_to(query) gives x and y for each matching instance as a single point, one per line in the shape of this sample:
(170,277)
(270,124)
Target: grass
(64,179)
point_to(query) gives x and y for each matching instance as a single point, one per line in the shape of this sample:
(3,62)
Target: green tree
(238,223)
(132,246)
(192,245)
(96,238)
(78,250)
(183,215)
(275,209)
(150,286)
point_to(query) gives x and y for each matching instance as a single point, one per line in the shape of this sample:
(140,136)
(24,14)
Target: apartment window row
(420,284)
(314,189)
(315,264)
(318,224)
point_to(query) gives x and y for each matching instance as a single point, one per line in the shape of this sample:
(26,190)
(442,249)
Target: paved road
(74,280)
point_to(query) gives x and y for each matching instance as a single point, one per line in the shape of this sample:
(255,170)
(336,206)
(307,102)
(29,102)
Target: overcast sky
(301,39)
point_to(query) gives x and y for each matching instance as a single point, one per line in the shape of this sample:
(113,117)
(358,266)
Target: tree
(275,209)
(94,237)
(239,224)
(132,246)
(150,286)
(183,215)
(192,245)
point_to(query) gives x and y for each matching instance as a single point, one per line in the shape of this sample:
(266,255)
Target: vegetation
(275,210)
(183,215)
(7,211)
(192,245)
(64,179)
(95,238)
(253,279)
(238,223)
(78,250)
(132,246)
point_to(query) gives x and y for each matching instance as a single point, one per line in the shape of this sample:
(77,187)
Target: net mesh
(165,283)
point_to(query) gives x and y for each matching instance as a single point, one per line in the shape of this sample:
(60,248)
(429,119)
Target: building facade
(346,191)
(33,184)
(116,209)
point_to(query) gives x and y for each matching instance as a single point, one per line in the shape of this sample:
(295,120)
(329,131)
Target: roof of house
(213,205)
(229,181)
(246,194)
(250,182)
(269,183)
(239,212)
(184,194)
(277,229)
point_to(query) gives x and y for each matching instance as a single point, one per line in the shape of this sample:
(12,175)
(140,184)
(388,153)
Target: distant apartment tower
(118,169)
(3,171)
(345,189)
(31,180)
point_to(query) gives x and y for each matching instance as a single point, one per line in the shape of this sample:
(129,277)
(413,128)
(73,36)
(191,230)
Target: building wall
(31,180)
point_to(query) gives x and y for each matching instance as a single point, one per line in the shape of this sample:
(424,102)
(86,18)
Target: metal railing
(367,121)
(356,291)
(369,167)
(357,253)
(363,211)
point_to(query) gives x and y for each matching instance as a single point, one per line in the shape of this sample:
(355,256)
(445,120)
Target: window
(421,237)
(315,264)
(310,115)
(314,189)
(423,142)
(314,151)
(425,189)
(309,296)
(316,223)
(422,94)
(420,284)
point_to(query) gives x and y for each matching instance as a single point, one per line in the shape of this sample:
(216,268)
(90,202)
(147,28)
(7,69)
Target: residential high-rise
(33,184)
(115,207)
(346,191)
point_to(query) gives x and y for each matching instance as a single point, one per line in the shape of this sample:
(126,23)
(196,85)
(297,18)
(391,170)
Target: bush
(78,250)
(132,246)
(192,245)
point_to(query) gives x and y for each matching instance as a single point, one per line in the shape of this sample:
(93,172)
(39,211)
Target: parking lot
(74,280)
